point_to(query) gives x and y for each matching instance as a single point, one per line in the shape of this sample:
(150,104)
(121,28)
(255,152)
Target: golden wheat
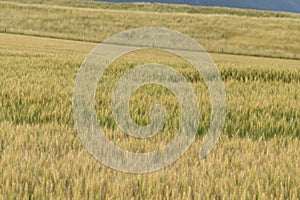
(41,156)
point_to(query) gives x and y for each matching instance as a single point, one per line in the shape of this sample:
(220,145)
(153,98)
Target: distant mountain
(274,5)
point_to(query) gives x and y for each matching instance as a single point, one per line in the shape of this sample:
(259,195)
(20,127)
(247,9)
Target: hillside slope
(217,32)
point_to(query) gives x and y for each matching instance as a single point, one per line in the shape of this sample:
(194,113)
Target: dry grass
(228,33)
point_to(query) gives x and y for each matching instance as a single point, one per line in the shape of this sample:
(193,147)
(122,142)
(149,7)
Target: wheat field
(42,157)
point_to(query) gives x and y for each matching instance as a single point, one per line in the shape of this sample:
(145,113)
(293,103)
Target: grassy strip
(158,7)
